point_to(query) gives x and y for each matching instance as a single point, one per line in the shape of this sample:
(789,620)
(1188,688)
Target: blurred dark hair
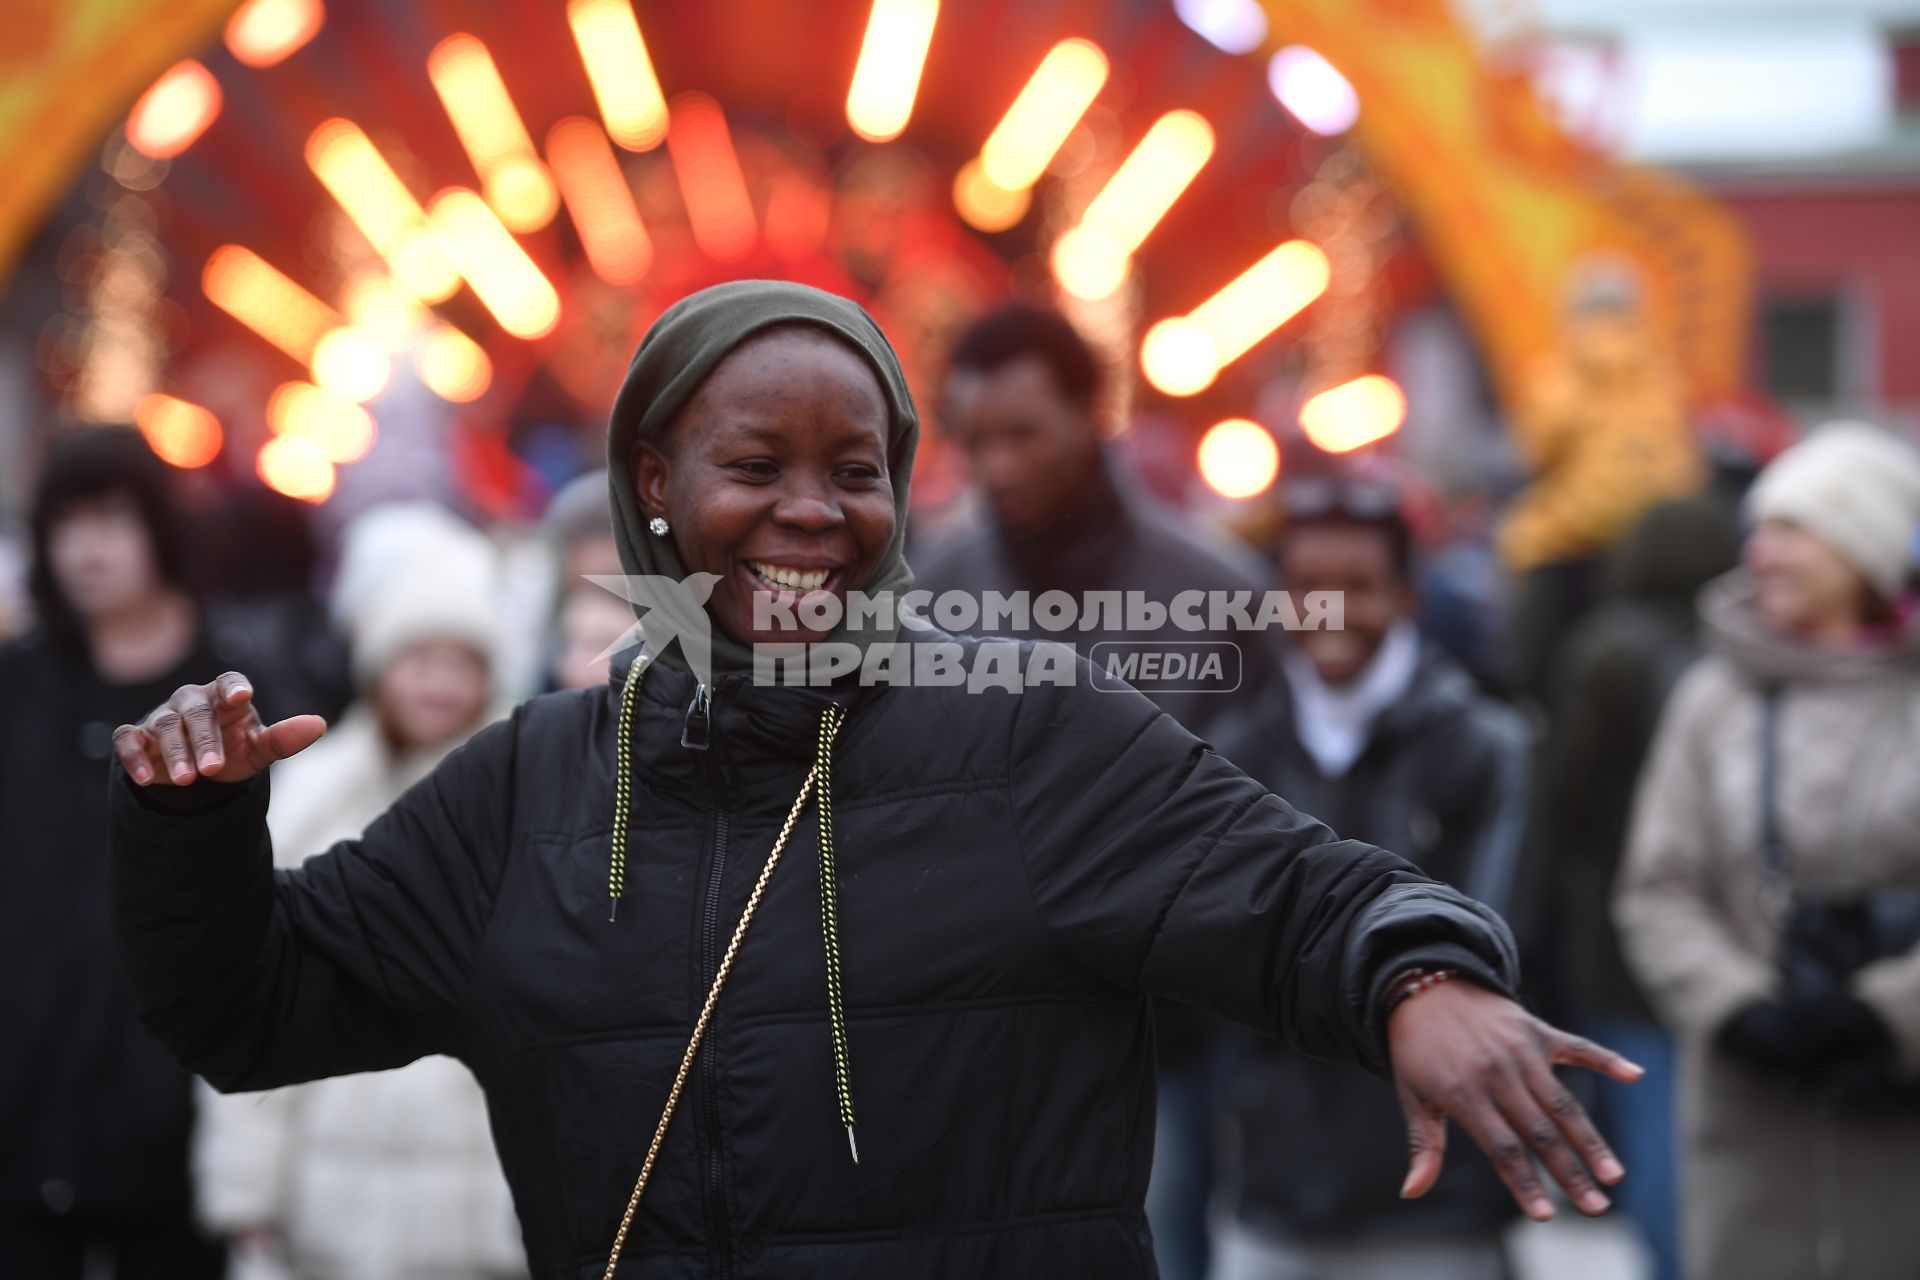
(1326,501)
(85,463)
(1001,337)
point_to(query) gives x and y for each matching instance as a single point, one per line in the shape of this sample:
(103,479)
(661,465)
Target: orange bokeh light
(181,433)
(984,203)
(266,300)
(887,78)
(711,183)
(1354,414)
(516,184)
(352,363)
(453,366)
(296,467)
(1182,356)
(1092,258)
(340,429)
(599,201)
(1239,458)
(1043,114)
(264,32)
(175,111)
(621,73)
(365,185)
(509,284)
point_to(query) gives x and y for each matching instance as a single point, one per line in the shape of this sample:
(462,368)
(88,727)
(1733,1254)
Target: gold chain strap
(706,1010)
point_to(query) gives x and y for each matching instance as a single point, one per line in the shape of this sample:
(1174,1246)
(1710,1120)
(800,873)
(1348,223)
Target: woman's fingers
(169,733)
(1541,1132)
(1573,1121)
(1573,1051)
(194,702)
(1509,1155)
(233,696)
(135,750)
(287,737)
(1426,1145)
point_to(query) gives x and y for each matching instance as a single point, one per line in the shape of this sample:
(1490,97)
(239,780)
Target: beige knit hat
(1858,489)
(416,574)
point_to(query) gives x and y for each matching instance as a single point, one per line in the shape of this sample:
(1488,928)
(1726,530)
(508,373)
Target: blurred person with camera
(94,1113)
(1378,731)
(1770,903)
(392,1175)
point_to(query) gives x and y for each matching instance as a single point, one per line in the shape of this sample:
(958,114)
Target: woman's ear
(651,478)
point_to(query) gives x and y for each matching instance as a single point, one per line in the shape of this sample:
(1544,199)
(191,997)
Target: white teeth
(796,579)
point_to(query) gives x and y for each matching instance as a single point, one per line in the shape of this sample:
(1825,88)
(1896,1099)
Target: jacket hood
(678,353)
(1734,629)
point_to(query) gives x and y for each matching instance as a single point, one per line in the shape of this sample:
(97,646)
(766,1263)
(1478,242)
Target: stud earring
(657,526)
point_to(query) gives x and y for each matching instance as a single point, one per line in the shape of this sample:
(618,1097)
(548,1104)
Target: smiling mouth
(790,580)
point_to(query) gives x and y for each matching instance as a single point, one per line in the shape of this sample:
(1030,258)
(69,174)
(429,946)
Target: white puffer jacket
(386,1176)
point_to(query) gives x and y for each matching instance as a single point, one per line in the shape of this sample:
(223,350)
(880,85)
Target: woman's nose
(809,512)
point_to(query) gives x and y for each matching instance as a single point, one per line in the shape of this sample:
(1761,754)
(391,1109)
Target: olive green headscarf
(677,355)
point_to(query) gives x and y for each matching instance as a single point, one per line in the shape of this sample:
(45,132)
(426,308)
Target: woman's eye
(859,473)
(756,468)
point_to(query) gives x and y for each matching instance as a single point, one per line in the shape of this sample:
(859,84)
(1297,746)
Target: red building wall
(1859,236)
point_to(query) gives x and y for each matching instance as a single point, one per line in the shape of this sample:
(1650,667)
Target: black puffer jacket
(1016,870)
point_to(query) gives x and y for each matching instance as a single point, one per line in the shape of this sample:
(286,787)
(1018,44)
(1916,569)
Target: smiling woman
(1001,878)
(775,478)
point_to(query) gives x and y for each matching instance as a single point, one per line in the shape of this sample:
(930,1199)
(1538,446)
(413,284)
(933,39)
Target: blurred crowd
(1674,743)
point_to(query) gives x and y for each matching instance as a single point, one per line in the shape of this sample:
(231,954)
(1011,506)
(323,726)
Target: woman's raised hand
(1463,1051)
(209,731)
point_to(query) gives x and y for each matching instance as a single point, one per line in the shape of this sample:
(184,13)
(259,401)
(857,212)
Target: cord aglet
(853,1146)
(613,909)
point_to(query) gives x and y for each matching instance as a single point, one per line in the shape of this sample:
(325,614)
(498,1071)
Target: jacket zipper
(696,734)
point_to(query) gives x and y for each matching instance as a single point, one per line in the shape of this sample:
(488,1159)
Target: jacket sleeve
(357,961)
(1672,929)
(1163,868)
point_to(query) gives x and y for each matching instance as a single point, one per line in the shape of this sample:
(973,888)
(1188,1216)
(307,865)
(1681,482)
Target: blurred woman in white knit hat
(387,1176)
(1771,898)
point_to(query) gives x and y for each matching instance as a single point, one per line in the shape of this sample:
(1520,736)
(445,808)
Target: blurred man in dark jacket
(1023,398)
(1386,737)
(1618,668)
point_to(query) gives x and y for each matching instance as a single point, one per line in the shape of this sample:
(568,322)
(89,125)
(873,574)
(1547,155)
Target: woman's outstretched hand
(1464,1052)
(209,731)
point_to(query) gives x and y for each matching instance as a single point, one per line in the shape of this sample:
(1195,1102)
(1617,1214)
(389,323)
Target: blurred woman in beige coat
(389,1175)
(1777,827)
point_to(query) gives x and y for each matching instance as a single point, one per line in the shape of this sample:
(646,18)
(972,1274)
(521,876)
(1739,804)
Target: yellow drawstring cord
(831,720)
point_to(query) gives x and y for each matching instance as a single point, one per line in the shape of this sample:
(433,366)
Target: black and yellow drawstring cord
(830,721)
(818,781)
(623,787)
